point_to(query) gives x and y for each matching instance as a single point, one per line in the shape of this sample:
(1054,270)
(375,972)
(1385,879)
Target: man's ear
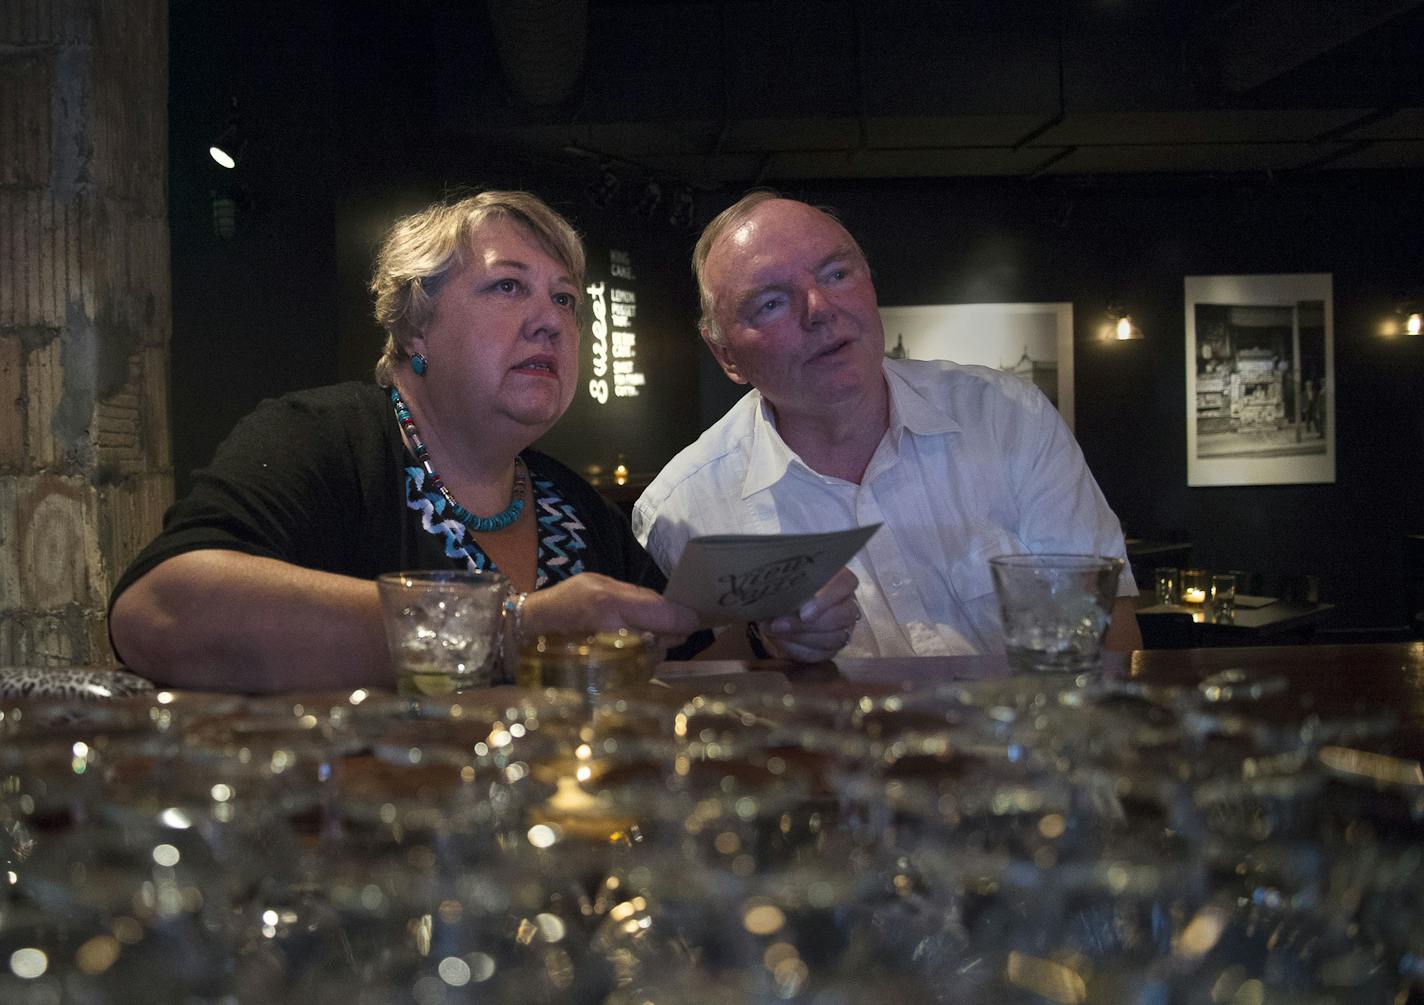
(723,357)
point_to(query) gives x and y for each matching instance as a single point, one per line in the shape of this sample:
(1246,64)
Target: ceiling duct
(541,45)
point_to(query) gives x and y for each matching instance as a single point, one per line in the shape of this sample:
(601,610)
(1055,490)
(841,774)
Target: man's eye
(836,275)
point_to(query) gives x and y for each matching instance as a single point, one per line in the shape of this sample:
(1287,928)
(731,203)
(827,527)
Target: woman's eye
(507,286)
(767,306)
(564,299)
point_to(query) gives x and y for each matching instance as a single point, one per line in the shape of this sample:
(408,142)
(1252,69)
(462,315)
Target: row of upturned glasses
(1017,840)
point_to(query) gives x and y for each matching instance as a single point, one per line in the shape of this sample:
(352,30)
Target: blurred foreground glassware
(442,628)
(591,664)
(1055,608)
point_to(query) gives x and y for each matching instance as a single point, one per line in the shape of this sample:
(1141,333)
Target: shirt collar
(911,411)
(769,458)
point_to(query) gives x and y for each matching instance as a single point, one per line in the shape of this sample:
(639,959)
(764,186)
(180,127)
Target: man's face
(797,309)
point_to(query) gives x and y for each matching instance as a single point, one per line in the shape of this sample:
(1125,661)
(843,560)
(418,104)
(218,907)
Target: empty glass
(1223,597)
(1168,585)
(1055,608)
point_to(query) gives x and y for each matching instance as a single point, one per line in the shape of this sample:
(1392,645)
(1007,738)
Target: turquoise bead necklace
(475,524)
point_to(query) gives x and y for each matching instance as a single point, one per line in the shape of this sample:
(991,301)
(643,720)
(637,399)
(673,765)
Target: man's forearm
(225,620)
(1124,635)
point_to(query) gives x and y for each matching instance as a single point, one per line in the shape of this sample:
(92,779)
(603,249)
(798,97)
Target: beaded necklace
(475,524)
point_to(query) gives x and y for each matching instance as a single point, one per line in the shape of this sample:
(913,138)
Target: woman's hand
(591,602)
(821,628)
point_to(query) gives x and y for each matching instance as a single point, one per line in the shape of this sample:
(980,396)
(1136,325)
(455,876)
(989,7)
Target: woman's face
(502,345)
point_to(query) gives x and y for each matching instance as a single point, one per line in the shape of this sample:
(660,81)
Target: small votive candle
(1194,586)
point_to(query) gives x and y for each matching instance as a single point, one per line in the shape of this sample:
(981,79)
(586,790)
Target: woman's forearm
(236,622)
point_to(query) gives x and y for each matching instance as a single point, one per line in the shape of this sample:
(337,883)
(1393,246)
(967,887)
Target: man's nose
(818,306)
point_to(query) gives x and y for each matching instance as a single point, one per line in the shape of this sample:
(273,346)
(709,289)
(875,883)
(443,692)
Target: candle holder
(1195,586)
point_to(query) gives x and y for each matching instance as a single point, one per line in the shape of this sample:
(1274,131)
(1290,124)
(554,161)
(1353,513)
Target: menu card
(753,577)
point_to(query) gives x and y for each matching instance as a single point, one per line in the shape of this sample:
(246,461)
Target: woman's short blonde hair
(421,249)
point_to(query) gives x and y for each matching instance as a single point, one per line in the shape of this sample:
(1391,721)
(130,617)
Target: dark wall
(340,146)
(254,314)
(987,241)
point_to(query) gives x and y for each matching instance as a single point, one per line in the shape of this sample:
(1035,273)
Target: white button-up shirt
(975,463)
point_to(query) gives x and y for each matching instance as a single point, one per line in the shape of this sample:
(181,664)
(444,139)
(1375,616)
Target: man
(960,463)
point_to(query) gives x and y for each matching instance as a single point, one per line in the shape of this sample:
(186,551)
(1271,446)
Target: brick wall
(85,469)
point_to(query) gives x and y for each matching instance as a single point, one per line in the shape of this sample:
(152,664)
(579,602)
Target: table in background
(1185,626)
(1145,555)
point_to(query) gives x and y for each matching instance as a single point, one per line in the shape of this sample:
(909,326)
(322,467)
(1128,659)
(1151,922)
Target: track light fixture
(229,147)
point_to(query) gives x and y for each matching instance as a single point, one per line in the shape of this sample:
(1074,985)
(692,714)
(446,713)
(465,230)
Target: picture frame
(1033,341)
(1260,379)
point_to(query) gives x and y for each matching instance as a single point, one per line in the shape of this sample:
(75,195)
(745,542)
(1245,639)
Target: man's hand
(821,628)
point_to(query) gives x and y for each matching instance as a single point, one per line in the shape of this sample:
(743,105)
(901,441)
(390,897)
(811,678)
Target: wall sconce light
(1407,319)
(1119,326)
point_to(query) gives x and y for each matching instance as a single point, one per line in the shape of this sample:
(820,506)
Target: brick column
(85,468)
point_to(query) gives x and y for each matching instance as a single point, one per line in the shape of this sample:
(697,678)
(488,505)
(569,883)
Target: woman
(262,578)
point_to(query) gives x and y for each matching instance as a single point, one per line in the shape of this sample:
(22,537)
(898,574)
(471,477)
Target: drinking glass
(1055,608)
(1167,585)
(590,663)
(1223,597)
(443,629)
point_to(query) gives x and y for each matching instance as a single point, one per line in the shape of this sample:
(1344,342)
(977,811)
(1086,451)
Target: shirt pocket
(970,577)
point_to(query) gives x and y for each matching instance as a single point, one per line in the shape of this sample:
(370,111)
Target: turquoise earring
(418,364)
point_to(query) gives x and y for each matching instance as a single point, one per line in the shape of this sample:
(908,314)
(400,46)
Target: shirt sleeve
(1061,507)
(660,533)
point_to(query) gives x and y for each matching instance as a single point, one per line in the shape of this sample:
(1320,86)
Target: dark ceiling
(751,91)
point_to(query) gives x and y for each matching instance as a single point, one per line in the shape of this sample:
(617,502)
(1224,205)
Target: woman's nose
(547,320)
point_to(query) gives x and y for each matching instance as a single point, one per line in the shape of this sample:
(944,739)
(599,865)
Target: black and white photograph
(1260,379)
(1032,341)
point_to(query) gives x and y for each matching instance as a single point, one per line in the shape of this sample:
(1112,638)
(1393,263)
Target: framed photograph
(1260,380)
(1034,342)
